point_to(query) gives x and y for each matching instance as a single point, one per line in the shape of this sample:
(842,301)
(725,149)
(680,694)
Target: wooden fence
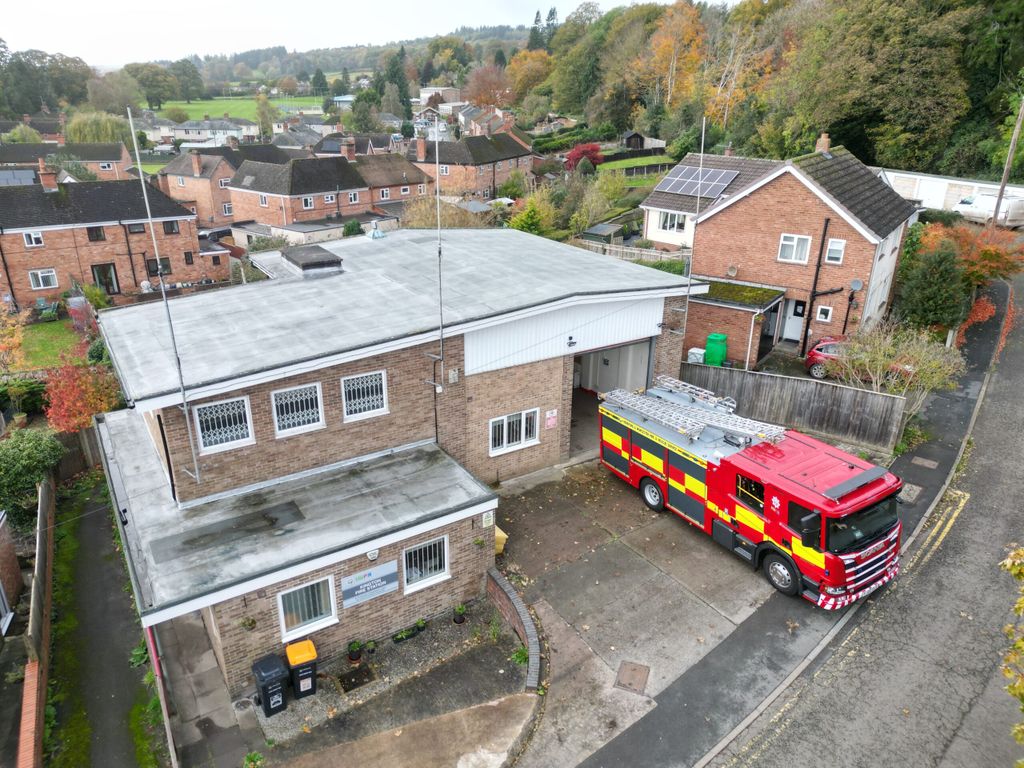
(627,253)
(845,413)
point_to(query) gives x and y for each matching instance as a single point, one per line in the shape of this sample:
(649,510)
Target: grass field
(635,162)
(236,107)
(44,342)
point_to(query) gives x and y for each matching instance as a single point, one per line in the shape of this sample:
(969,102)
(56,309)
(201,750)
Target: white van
(979,209)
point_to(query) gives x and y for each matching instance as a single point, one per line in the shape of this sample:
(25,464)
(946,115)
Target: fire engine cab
(816,520)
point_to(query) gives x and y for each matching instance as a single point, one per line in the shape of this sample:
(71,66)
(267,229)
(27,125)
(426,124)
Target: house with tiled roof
(474,166)
(54,236)
(297,137)
(108,161)
(822,233)
(393,179)
(48,125)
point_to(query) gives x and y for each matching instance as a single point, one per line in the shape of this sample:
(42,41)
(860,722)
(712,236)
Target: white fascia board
(818,192)
(153,618)
(56,227)
(294,369)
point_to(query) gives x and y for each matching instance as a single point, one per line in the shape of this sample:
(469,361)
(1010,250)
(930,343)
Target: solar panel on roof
(692,181)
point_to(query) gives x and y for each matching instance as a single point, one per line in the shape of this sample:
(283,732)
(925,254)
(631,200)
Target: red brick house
(109,162)
(474,166)
(48,125)
(361,144)
(341,447)
(822,230)
(54,236)
(392,178)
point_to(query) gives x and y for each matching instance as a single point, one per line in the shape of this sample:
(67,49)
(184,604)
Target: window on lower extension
(669,221)
(297,409)
(750,493)
(426,563)
(307,203)
(164,268)
(364,395)
(385,193)
(170,227)
(221,425)
(516,430)
(306,606)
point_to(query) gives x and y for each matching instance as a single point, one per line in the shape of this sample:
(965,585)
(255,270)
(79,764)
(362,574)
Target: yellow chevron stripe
(749,519)
(654,462)
(812,556)
(611,438)
(696,486)
(651,436)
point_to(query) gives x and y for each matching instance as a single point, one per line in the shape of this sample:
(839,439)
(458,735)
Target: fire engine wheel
(651,494)
(818,371)
(780,574)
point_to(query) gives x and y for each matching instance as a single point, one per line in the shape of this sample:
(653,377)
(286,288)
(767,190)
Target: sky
(111,33)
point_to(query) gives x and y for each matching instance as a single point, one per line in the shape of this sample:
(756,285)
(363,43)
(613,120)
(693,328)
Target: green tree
(319,81)
(70,164)
(115,92)
(22,134)
(394,72)
(87,127)
(499,58)
(190,82)
(364,118)
(550,26)
(1013,659)
(179,115)
(266,114)
(157,83)
(514,186)
(528,219)
(26,458)
(932,291)
(391,101)
(408,129)
(346,83)
(536,41)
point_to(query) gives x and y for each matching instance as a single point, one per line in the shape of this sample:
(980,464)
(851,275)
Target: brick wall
(470,554)
(203,193)
(395,192)
(410,418)
(476,179)
(71,254)
(668,347)
(288,210)
(734,323)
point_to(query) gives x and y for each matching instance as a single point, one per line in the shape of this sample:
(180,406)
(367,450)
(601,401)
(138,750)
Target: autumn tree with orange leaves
(675,54)
(488,86)
(75,392)
(984,254)
(12,327)
(527,70)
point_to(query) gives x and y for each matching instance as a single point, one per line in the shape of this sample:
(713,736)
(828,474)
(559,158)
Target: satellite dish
(732,270)
(856,285)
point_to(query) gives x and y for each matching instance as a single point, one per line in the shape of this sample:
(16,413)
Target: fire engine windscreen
(861,528)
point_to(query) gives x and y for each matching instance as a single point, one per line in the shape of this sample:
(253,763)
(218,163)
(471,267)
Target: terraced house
(329,482)
(53,237)
(106,161)
(474,166)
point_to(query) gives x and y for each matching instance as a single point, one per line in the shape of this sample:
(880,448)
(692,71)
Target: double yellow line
(941,529)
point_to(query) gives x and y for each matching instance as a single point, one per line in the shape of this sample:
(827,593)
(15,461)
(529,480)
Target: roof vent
(376,233)
(312,261)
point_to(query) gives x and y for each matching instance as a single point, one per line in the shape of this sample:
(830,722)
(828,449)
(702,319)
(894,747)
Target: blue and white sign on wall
(368,584)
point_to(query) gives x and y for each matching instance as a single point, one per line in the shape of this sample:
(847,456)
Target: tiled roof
(263,153)
(296,137)
(85,202)
(473,150)
(389,170)
(749,170)
(210,125)
(31,153)
(857,189)
(299,177)
(182,165)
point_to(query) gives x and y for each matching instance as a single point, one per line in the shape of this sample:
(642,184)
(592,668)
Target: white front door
(794,321)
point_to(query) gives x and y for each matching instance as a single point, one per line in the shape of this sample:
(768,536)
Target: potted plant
(370,647)
(355,650)
(17,391)
(403,634)
(421,624)
(459,613)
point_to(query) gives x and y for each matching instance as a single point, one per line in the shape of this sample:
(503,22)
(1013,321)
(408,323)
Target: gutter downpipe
(693,248)
(814,290)
(750,341)
(7,273)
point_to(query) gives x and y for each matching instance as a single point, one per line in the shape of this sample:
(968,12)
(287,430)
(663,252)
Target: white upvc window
(229,209)
(307,609)
(444,170)
(307,203)
(224,183)
(364,395)
(181,181)
(793,249)
(836,249)
(405,190)
(425,564)
(297,409)
(669,221)
(263,201)
(421,189)
(329,199)
(353,197)
(41,279)
(223,425)
(823,314)
(32,239)
(385,193)
(106,166)
(514,431)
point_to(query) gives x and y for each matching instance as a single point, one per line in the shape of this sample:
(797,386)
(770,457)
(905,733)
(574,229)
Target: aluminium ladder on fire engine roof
(690,420)
(697,393)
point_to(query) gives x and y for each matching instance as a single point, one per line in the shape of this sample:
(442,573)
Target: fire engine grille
(861,574)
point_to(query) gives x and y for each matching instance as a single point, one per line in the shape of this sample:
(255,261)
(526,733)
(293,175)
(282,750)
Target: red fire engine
(819,522)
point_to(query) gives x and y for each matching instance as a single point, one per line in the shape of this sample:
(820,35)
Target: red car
(827,348)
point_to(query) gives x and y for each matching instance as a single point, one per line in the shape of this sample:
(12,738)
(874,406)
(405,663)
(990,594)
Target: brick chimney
(823,144)
(26,119)
(197,162)
(47,177)
(421,149)
(348,147)
(729,151)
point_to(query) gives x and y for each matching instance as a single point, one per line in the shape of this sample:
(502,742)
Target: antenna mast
(437,197)
(689,271)
(167,306)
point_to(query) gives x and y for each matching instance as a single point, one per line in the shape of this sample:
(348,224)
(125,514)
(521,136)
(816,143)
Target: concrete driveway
(612,582)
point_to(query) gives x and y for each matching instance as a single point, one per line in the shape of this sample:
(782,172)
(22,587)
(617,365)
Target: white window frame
(404,190)
(224,183)
(794,241)
(250,440)
(353,197)
(228,208)
(308,199)
(823,314)
(278,432)
(106,166)
(181,181)
(385,193)
(367,414)
(329,199)
(263,201)
(34,277)
(304,630)
(670,217)
(840,245)
(443,170)
(429,581)
(32,239)
(523,443)
(421,189)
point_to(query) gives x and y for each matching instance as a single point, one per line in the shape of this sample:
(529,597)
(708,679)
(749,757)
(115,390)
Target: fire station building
(327,475)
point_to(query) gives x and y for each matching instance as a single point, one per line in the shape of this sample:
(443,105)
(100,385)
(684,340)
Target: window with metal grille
(516,430)
(365,395)
(297,409)
(223,424)
(427,562)
(306,606)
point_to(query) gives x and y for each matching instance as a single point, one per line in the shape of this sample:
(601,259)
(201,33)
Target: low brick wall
(512,607)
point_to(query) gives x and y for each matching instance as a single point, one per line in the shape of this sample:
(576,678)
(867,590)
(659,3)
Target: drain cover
(632,677)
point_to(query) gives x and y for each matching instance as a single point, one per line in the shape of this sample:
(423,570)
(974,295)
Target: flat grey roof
(388,292)
(185,554)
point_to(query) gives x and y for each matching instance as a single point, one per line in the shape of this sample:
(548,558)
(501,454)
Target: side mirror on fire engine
(810,530)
